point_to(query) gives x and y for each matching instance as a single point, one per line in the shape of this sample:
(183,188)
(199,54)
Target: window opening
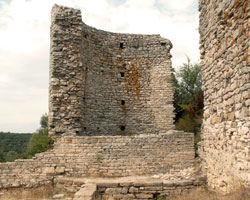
(122,128)
(121,45)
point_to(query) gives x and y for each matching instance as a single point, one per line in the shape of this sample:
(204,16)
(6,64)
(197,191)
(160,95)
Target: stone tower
(225,47)
(104,83)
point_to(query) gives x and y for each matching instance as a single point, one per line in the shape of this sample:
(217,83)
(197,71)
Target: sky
(25,38)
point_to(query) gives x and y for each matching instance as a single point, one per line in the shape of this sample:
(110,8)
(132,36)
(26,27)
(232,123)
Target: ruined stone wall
(103,156)
(104,83)
(66,72)
(225,46)
(106,89)
(136,188)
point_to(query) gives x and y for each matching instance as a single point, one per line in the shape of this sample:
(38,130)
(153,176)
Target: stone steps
(87,192)
(134,187)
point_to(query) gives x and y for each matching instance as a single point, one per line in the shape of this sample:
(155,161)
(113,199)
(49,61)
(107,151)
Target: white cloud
(177,5)
(24,45)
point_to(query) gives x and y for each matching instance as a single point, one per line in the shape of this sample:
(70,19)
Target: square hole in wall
(122,128)
(122,74)
(163,44)
(121,45)
(123,102)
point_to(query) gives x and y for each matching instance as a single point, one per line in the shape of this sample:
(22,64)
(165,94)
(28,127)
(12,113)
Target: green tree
(23,146)
(10,156)
(14,142)
(188,97)
(40,140)
(44,121)
(2,157)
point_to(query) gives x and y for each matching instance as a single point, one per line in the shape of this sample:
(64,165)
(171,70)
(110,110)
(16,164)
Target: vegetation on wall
(188,98)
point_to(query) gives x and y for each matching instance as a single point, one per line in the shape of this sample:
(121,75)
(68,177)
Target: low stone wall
(142,187)
(103,156)
(145,190)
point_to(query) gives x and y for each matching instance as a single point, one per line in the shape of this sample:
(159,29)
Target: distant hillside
(14,142)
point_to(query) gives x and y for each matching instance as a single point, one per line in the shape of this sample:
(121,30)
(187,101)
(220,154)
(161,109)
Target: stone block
(133,189)
(60,170)
(113,191)
(48,170)
(144,196)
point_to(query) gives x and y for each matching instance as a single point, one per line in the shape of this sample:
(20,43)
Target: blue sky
(24,45)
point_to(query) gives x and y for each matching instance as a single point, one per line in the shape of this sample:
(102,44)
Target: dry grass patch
(43,192)
(204,194)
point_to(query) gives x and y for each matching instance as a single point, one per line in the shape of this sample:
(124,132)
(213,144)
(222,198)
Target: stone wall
(152,189)
(104,83)
(110,111)
(225,46)
(136,188)
(103,156)
(66,72)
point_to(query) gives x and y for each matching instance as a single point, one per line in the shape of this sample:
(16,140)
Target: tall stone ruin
(104,83)
(225,47)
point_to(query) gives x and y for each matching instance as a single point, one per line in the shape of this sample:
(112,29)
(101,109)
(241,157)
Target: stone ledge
(133,187)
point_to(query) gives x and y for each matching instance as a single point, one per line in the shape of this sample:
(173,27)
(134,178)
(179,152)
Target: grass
(204,194)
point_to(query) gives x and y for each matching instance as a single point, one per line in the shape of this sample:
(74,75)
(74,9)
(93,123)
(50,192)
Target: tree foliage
(44,121)
(10,156)
(40,140)
(2,159)
(15,146)
(188,97)
(13,142)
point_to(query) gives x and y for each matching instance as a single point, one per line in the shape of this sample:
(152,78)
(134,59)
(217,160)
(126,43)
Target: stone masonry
(225,47)
(110,113)
(102,156)
(104,83)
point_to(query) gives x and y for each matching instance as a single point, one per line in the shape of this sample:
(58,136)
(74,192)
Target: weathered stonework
(110,114)
(107,89)
(135,188)
(102,156)
(104,83)
(225,47)
(111,111)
